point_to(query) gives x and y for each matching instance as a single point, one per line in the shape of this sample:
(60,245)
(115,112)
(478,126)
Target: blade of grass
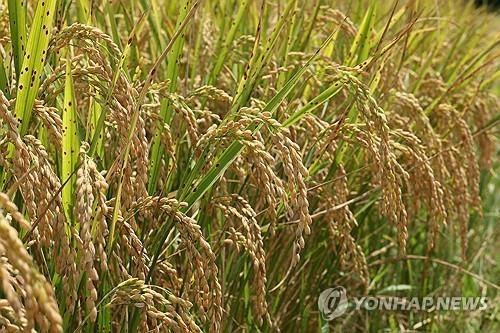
(84,14)
(33,62)
(314,103)
(258,61)
(287,47)
(109,9)
(70,142)
(166,110)
(242,10)
(154,20)
(360,47)
(17,20)
(4,83)
(307,36)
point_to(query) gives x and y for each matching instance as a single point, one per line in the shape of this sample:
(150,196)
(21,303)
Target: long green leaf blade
(17,20)
(165,111)
(33,62)
(70,141)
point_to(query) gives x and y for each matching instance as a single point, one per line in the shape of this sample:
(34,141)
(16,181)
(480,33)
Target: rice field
(213,166)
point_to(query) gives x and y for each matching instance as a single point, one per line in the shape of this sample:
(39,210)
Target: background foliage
(214,165)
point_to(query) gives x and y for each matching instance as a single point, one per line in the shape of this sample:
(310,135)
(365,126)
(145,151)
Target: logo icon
(332,302)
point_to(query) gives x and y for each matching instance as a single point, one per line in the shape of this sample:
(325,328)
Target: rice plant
(213,166)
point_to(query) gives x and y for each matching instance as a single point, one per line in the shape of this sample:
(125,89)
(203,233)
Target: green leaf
(165,111)
(4,83)
(70,142)
(258,61)
(33,62)
(84,11)
(242,10)
(314,103)
(17,20)
(324,326)
(360,46)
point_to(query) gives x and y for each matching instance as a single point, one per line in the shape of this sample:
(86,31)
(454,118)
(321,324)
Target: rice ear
(40,304)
